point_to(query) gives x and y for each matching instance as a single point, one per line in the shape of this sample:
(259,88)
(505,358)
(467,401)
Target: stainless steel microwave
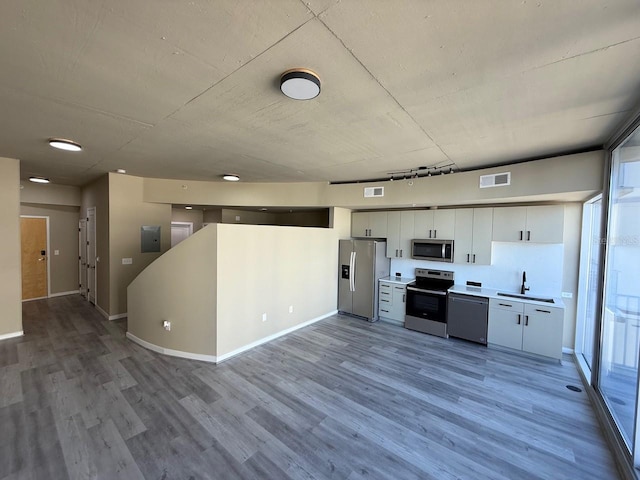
(434,250)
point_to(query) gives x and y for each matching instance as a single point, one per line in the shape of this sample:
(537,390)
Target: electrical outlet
(264,317)
(167,325)
(567,295)
(127,261)
(56,252)
(290,308)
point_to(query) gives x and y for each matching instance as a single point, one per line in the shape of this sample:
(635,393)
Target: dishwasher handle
(467,299)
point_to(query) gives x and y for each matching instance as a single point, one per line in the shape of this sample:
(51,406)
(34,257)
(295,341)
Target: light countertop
(493,293)
(400,280)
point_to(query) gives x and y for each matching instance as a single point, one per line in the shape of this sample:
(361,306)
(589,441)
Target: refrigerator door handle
(353,271)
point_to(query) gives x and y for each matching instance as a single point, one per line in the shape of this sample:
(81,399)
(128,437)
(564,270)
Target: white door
(91,255)
(82,257)
(180,231)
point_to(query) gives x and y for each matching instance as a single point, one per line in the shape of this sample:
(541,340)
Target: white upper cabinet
(400,232)
(538,224)
(473,235)
(369,224)
(438,224)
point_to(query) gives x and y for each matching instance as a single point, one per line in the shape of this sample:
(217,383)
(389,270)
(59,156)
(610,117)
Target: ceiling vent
(495,180)
(373,192)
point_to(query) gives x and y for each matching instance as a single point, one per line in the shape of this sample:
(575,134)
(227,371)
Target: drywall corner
(10,266)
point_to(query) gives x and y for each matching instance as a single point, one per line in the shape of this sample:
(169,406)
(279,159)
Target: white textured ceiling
(189,89)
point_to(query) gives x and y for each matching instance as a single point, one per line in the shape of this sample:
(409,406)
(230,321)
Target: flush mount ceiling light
(64,144)
(300,84)
(230,177)
(38,180)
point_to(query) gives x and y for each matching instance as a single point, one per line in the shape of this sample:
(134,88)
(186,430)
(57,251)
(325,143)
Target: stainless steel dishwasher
(467,317)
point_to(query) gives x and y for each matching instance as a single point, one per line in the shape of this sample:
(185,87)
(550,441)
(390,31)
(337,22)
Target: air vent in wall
(373,192)
(495,180)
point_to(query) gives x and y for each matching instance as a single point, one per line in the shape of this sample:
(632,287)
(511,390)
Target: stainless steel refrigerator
(361,264)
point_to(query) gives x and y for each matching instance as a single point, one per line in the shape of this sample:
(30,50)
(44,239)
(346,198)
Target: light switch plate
(56,252)
(567,295)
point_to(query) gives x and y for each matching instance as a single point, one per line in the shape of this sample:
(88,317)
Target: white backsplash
(543,264)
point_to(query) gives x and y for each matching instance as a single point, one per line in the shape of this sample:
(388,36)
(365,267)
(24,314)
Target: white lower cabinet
(524,326)
(391,301)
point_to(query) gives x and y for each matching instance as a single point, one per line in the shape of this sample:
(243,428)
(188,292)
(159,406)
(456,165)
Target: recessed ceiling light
(121,170)
(64,144)
(230,177)
(300,84)
(38,180)
(188,207)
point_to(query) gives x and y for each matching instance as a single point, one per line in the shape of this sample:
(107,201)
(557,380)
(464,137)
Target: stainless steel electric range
(427,301)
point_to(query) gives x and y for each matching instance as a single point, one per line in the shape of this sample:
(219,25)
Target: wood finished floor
(341,399)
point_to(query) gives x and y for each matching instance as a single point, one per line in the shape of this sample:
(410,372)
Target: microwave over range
(431,249)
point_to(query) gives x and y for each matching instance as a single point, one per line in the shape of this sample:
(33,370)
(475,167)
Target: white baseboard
(62,294)
(221,358)
(107,316)
(173,353)
(244,348)
(568,350)
(7,336)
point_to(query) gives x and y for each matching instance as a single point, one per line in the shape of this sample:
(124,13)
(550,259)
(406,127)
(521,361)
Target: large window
(620,331)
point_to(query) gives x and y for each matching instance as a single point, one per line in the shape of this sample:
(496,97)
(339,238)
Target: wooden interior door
(33,234)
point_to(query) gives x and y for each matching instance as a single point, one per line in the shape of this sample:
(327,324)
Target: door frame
(82,254)
(92,225)
(46,217)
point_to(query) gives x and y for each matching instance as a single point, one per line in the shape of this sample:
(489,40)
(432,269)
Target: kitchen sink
(526,297)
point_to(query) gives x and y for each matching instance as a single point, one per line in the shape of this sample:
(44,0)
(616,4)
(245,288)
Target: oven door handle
(435,292)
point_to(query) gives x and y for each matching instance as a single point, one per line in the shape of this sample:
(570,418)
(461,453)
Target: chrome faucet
(522,287)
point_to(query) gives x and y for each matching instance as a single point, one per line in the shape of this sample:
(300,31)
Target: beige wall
(96,194)
(50,194)
(10,274)
(215,286)
(304,219)
(63,236)
(213,215)
(180,287)
(571,268)
(295,272)
(190,216)
(245,217)
(127,214)
(565,178)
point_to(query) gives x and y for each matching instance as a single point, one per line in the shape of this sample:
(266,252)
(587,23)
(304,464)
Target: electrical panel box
(150,238)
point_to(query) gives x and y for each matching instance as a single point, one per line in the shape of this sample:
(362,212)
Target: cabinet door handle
(474,258)
(505,305)
(543,311)
(435,234)
(400,253)
(429,233)
(528,235)
(383,310)
(526,320)
(396,252)
(404,295)
(383,300)
(467,258)
(519,318)
(521,235)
